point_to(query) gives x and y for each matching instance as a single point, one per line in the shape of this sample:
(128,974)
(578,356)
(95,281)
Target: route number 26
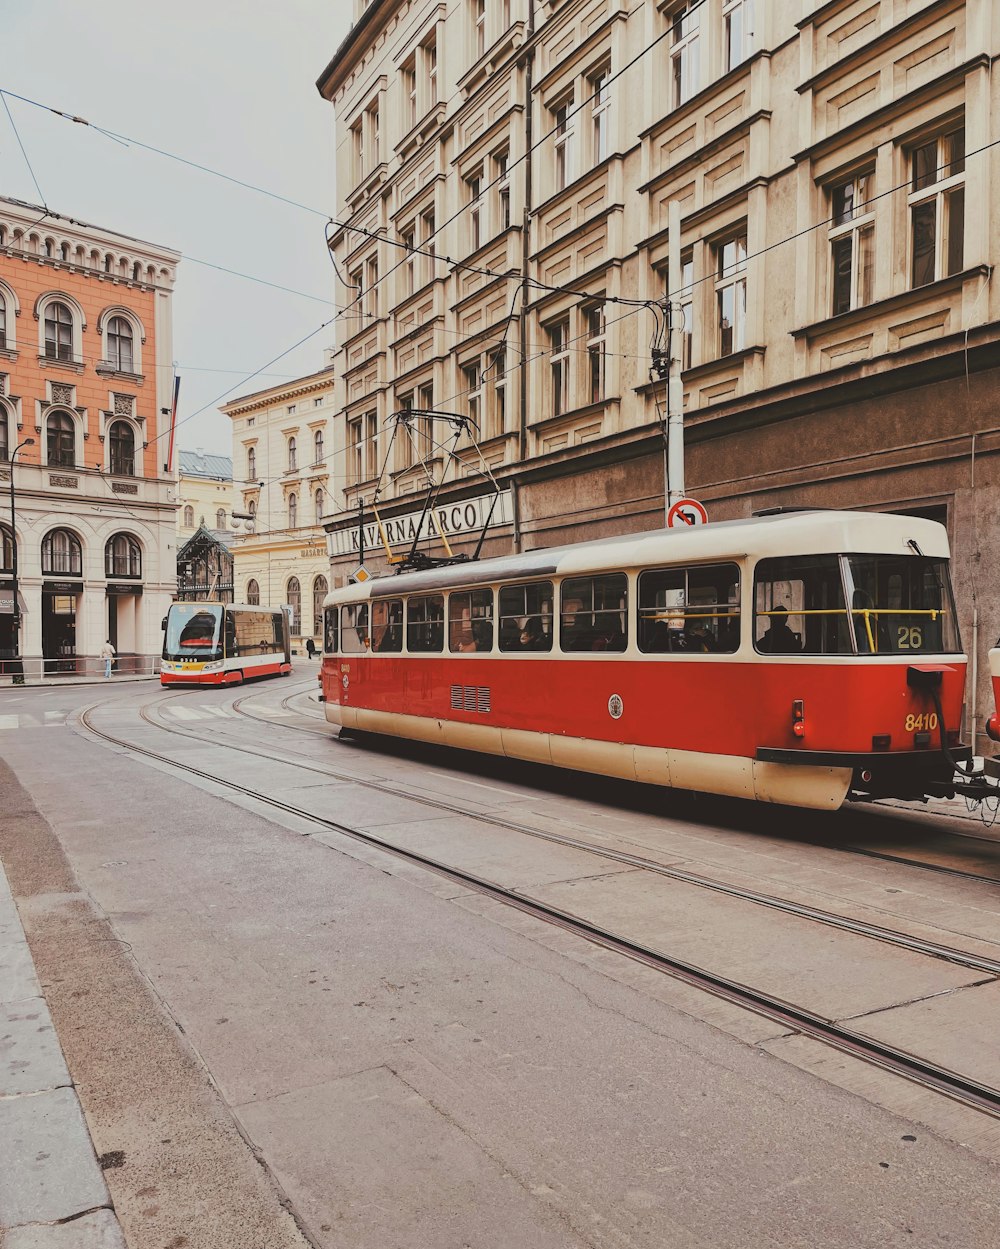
(909,638)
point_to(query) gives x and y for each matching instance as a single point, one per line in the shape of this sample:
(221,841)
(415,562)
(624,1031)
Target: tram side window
(253,633)
(470,621)
(593,612)
(799,607)
(902,604)
(387,625)
(354,628)
(425,624)
(690,610)
(526,617)
(330,630)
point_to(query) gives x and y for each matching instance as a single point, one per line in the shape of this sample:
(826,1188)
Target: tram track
(625,858)
(910,1066)
(840,847)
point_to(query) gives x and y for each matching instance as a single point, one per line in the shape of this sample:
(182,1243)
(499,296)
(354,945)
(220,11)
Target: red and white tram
(223,644)
(797,658)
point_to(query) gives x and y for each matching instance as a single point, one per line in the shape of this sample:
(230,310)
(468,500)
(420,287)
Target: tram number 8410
(925,722)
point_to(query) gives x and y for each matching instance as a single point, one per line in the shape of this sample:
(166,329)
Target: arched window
(253,593)
(58,332)
(122,557)
(252,507)
(292,455)
(60,432)
(189,517)
(3,322)
(293,511)
(122,441)
(4,445)
(120,345)
(318,444)
(320,591)
(293,597)
(319,505)
(6,550)
(251,463)
(220,518)
(61,553)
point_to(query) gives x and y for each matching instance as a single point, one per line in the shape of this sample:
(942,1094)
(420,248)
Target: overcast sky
(229,84)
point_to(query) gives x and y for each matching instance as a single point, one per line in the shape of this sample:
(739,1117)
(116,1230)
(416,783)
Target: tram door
(59,632)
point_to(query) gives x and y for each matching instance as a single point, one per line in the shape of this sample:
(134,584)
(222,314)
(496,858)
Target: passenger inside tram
(533,635)
(778,638)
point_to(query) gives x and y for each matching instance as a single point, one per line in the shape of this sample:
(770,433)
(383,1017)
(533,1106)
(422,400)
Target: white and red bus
(223,644)
(799,658)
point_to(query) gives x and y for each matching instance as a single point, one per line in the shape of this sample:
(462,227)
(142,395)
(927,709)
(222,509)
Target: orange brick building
(86,372)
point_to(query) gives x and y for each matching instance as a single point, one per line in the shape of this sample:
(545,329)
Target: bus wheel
(237,678)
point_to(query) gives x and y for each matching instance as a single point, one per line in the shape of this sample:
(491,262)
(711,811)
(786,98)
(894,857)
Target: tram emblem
(345,681)
(615,706)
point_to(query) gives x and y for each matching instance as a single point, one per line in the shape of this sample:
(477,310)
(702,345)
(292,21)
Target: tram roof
(819,532)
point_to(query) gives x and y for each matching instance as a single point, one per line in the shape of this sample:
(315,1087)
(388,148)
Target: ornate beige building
(503,192)
(204,493)
(282,470)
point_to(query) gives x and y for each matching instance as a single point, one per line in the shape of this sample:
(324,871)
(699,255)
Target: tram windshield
(901,604)
(193,631)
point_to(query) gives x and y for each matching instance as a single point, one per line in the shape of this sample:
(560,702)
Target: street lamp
(17,668)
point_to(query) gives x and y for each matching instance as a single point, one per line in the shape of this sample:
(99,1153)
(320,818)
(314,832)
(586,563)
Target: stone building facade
(204,493)
(503,194)
(86,373)
(283,469)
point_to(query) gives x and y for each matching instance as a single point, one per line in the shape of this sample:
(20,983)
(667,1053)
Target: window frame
(683,610)
(852,224)
(685,53)
(507,636)
(463,630)
(731,278)
(569,590)
(434,626)
(941,193)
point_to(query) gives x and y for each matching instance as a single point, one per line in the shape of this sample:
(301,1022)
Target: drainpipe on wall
(522,435)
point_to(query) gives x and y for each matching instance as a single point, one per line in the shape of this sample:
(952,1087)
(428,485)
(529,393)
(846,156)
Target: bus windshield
(902,604)
(193,631)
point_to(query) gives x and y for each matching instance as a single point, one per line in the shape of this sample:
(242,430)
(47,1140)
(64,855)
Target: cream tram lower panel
(733,776)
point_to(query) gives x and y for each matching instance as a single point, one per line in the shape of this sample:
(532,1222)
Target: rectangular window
(470,621)
(799,607)
(408,268)
(371,445)
(373,141)
(593,613)
(690,610)
(370,304)
(937,208)
(559,364)
(355,457)
(424,429)
(596,331)
(852,243)
(330,630)
(685,297)
(354,638)
(387,625)
(473,379)
(526,617)
(685,33)
(737,17)
(474,186)
(501,178)
(498,367)
(479,28)
(408,84)
(425,624)
(358,150)
(404,438)
(563,125)
(429,245)
(731,294)
(431,70)
(902,604)
(600,112)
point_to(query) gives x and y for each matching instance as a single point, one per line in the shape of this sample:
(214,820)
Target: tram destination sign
(466,517)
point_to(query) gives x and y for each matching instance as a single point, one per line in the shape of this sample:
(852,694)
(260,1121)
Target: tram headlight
(216,667)
(993,728)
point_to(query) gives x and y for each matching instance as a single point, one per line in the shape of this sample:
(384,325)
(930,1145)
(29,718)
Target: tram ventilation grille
(471,698)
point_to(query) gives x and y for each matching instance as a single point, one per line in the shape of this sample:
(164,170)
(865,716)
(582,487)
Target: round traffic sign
(686,512)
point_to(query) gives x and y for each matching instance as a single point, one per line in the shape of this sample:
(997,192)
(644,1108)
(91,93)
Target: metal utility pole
(17,666)
(673,450)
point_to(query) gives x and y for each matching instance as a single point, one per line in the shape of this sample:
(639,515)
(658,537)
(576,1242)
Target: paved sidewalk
(54,683)
(52,1189)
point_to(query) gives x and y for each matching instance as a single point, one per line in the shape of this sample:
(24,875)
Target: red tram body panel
(864,699)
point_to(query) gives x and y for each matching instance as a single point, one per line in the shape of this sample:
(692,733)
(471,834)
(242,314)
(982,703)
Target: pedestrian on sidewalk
(310,647)
(107,654)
